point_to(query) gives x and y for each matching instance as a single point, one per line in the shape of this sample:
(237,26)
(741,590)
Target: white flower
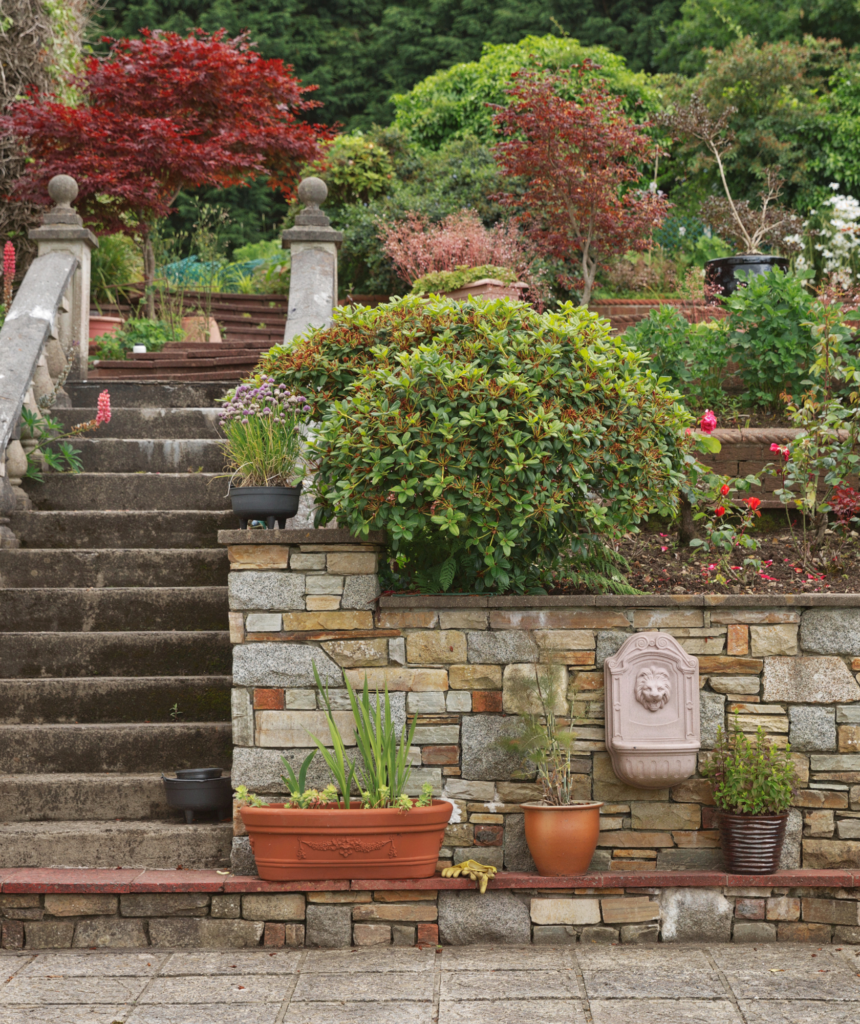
(682,231)
(834,185)
(652,188)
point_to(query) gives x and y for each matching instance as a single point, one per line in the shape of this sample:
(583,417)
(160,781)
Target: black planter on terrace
(200,789)
(722,272)
(272,505)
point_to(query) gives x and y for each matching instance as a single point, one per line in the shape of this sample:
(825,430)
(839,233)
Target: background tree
(160,114)
(575,166)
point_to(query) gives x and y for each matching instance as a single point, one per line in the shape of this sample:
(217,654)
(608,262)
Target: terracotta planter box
(291,844)
(488,288)
(100,325)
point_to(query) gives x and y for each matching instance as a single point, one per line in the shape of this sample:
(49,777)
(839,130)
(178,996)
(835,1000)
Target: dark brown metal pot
(752,843)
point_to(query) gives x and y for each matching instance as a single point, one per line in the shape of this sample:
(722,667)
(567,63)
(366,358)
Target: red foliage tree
(160,114)
(576,165)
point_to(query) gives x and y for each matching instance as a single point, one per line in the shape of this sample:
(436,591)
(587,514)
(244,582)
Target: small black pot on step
(752,843)
(722,273)
(273,505)
(200,789)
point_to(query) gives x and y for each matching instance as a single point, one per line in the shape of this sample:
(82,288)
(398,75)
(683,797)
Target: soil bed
(659,566)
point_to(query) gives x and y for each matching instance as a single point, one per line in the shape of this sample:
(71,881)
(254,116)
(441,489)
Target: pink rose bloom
(708,422)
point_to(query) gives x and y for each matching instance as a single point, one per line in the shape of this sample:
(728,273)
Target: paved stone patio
(665,984)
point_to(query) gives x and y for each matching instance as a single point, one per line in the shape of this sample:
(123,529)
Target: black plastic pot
(721,273)
(272,505)
(210,790)
(752,843)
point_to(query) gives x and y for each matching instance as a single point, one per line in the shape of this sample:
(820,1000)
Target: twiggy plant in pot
(327,834)
(750,228)
(561,832)
(753,780)
(264,424)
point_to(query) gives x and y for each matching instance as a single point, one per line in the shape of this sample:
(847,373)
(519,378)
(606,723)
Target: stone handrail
(44,339)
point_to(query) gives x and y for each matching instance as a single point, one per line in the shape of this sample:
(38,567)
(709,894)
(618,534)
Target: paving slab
(243,988)
(230,963)
(336,961)
(65,1014)
(832,983)
(634,958)
(59,990)
(663,982)
(357,987)
(206,1013)
(797,1011)
(11,965)
(360,1013)
(513,985)
(503,958)
(81,965)
(546,1011)
(664,1011)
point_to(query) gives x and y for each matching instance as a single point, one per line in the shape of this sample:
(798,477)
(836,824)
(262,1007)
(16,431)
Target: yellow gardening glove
(480,873)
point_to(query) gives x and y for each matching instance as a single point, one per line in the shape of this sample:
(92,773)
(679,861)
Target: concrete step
(105,378)
(117,567)
(155,455)
(98,797)
(168,423)
(92,529)
(139,747)
(107,609)
(69,655)
(126,491)
(148,395)
(127,844)
(107,699)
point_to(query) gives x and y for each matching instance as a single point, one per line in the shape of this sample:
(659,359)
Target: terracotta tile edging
(138,880)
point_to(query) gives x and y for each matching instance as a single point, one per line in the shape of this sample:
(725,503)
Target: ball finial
(63,189)
(313,192)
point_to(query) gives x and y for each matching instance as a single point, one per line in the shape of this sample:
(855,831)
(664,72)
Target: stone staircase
(115,658)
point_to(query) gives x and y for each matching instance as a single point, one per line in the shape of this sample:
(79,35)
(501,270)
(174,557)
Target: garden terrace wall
(624,313)
(124,908)
(788,664)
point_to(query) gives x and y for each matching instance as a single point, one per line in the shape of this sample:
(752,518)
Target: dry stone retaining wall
(406,917)
(451,664)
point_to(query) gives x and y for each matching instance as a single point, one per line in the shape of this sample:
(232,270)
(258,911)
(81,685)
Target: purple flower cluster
(266,399)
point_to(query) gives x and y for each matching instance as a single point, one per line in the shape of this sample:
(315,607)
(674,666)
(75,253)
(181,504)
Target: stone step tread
(113,567)
(91,530)
(133,653)
(156,422)
(114,609)
(128,491)
(109,455)
(148,394)
(99,796)
(160,376)
(114,747)
(122,700)
(113,844)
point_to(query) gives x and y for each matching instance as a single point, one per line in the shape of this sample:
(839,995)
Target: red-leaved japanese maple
(575,167)
(160,114)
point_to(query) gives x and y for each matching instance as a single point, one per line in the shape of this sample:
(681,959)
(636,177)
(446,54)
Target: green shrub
(116,263)
(750,776)
(692,356)
(450,280)
(484,432)
(772,327)
(155,334)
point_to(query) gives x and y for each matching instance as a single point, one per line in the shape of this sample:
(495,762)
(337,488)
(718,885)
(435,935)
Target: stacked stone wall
(452,665)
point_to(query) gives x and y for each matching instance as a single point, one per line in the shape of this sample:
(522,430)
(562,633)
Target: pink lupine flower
(8,272)
(103,414)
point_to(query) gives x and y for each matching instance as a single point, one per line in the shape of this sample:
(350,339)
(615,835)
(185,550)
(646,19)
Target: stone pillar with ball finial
(313,245)
(62,229)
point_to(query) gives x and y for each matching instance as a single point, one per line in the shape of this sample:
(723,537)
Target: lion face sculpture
(653,688)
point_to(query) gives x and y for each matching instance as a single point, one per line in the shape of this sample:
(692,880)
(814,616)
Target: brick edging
(135,880)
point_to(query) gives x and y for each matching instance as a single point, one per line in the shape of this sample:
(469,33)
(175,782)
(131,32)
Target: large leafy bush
(483,437)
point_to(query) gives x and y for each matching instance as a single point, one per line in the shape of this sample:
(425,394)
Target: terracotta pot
(292,845)
(197,328)
(562,840)
(100,325)
(752,843)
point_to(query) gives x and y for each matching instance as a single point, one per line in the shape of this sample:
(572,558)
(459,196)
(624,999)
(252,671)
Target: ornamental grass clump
(264,427)
(750,776)
(488,440)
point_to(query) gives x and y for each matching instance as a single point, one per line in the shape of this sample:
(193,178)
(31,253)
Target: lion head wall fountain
(652,711)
